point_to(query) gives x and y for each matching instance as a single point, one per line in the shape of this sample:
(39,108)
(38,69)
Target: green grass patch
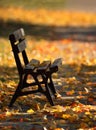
(50,4)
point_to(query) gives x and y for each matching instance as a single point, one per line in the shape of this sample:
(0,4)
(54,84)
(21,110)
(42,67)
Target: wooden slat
(17,35)
(44,66)
(32,64)
(21,46)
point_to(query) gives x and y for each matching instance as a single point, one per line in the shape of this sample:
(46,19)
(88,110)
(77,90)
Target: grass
(50,4)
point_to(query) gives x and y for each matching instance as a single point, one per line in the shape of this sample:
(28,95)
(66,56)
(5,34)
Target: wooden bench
(33,68)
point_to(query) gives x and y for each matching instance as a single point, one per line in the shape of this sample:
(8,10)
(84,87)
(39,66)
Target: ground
(73,40)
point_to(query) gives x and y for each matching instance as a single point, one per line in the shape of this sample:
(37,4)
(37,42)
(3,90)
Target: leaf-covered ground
(48,17)
(75,81)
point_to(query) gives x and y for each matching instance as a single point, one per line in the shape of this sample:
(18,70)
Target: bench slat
(21,46)
(44,66)
(17,35)
(34,62)
(32,65)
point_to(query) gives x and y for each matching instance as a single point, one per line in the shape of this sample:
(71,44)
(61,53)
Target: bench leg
(47,91)
(13,99)
(52,87)
(17,92)
(40,89)
(48,95)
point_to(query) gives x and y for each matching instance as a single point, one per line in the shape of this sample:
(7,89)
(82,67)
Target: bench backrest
(18,43)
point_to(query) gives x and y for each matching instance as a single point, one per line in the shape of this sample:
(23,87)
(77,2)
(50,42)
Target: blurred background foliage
(49,4)
(40,21)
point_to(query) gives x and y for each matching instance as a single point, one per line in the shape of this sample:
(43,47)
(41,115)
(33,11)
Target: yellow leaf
(66,116)
(87,113)
(8,113)
(30,111)
(57,109)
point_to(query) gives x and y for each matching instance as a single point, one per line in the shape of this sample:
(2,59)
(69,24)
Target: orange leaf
(70,92)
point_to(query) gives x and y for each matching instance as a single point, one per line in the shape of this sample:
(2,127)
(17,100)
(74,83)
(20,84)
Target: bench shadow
(49,32)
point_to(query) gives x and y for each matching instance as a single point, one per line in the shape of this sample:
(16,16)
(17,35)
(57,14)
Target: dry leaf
(30,111)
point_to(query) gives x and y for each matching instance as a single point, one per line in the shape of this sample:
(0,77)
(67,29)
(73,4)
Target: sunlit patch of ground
(48,17)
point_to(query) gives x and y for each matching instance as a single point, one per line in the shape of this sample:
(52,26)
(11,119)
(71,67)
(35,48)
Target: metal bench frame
(33,68)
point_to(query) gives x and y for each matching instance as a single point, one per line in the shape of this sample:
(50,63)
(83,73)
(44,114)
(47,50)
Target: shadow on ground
(50,32)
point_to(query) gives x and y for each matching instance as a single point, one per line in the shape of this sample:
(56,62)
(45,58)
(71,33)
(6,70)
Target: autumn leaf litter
(75,81)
